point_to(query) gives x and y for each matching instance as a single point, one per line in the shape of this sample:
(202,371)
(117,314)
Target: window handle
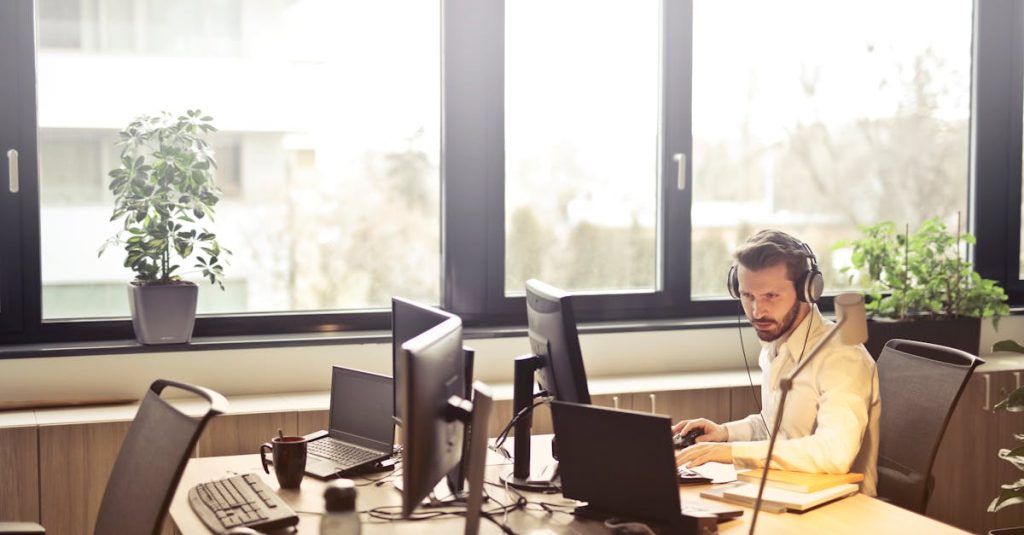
(680,159)
(12,170)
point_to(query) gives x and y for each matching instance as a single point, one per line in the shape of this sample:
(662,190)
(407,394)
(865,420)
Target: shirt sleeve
(749,428)
(846,384)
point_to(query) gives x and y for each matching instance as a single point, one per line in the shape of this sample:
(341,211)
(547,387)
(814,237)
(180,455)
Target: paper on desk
(717,472)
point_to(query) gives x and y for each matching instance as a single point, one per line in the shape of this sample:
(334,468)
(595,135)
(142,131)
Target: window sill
(126,347)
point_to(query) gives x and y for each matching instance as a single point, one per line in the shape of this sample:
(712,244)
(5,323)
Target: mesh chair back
(919,385)
(151,461)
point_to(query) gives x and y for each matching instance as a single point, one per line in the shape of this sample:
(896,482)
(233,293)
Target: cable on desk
(378,481)
(628,528)
(503,435)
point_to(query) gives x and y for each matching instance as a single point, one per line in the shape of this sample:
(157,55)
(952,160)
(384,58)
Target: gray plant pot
(163,314)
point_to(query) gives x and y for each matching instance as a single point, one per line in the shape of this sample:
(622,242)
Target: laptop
(361,436)
(622,464)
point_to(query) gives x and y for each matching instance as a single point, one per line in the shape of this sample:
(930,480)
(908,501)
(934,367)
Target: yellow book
(799,481)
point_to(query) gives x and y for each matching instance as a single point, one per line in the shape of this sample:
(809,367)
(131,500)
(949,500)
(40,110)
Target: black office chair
(148,466)
(919,385)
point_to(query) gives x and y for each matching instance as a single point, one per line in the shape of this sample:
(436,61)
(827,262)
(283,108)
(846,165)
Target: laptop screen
(361,408)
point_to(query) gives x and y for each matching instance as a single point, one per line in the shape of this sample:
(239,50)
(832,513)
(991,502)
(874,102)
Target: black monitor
(435,413)
(556,365)
(553,337)
(410,319)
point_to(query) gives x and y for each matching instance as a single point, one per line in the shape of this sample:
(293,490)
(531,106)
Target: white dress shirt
(830,424)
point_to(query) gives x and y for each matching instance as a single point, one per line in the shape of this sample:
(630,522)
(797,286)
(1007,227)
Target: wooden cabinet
(967,472)
(501,413)
(19,464)
(74,464)
(744,401)
(712,404)
(235,434)
(312,421)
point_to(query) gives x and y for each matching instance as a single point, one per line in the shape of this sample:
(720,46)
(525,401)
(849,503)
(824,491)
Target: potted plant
(919,286)
(164,191)
(1010,493)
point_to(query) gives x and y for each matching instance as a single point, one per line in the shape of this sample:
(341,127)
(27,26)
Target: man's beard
(787,324)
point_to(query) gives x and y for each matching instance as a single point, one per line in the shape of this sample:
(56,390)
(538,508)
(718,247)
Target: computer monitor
(556,365)
(435,414)
(553,337)
(410,319)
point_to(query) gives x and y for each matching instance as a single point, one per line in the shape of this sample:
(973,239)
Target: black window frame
(996,149)
(472,184)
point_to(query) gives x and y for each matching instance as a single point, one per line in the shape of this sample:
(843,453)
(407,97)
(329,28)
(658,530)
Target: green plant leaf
(1014,456)
(1006,498)
(1008,345)
(163,183)
(1014,402)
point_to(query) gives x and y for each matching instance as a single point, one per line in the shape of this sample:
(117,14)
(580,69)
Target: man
(830,423)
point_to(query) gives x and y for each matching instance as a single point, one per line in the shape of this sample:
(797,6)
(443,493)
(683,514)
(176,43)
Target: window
(447,151)
(870,123)
(581,144)
(330,193)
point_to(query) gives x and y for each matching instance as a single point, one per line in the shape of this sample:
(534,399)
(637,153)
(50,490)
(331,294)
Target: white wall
(299,369)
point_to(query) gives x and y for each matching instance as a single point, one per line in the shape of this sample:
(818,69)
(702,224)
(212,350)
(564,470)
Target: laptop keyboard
(341,453)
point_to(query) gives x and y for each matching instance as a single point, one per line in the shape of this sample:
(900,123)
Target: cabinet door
(74,464)
(236,434)
(966,471)
(1008,424)
(713,404)
(312,421)
(19,464)
(744,402)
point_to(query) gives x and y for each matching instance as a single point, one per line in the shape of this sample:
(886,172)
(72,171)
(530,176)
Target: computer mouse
(681,441)
(240,530)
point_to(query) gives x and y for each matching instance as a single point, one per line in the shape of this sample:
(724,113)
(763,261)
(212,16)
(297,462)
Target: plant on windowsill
(1010,493)
(919,286)
(164,190)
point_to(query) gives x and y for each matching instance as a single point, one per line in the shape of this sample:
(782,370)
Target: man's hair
(769,248)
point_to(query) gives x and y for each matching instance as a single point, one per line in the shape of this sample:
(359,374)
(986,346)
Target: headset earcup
(811,286)
(732,282)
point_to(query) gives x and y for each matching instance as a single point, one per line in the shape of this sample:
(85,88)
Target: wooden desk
(857,514)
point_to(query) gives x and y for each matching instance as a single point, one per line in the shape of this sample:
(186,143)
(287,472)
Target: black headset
(809,286)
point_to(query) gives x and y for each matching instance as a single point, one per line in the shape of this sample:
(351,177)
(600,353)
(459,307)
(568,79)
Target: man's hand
(712,431)
(699,454)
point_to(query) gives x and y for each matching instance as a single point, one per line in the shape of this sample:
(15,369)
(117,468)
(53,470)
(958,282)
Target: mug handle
(263,455)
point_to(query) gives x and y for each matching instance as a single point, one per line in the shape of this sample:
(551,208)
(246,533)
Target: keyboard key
(240,501)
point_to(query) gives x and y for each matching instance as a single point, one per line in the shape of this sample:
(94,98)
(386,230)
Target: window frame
(472,184)
(996,142)
(20,237)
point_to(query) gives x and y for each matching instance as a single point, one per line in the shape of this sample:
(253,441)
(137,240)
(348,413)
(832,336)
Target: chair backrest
(919,385)
(151,461)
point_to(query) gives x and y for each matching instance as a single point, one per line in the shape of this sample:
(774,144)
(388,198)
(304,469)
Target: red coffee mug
(289,455)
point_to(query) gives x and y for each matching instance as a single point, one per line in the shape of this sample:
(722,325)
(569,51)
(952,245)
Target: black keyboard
(342,453)
(243,500)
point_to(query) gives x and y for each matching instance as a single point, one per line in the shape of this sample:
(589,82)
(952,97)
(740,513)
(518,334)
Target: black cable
(500,440)
(743,348)
(378,481)
(500,525)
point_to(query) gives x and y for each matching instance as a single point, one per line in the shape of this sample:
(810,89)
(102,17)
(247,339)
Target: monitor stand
(522,399)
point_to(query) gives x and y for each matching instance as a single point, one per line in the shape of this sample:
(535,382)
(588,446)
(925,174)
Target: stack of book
(786,491)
